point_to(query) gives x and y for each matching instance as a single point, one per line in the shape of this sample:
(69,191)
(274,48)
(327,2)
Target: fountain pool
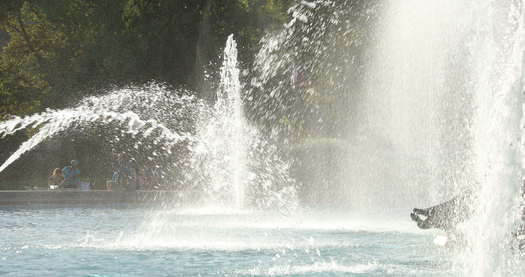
(134,241)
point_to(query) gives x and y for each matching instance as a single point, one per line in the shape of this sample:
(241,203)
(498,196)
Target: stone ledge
(28,197)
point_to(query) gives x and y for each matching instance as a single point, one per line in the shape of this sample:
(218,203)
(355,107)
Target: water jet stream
(415,78)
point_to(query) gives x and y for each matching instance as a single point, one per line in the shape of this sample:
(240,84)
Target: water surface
(134,241)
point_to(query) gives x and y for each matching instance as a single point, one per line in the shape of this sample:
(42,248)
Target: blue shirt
(71,175)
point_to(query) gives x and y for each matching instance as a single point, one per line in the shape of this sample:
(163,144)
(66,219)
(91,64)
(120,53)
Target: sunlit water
(135,241)
(440,83)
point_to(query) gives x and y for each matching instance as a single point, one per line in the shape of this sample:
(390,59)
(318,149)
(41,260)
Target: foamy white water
(434,53)
(52,123)
(237,166)
(234,129)
(496,73)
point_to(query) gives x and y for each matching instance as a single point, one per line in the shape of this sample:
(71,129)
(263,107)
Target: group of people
(67,177)
(126,176)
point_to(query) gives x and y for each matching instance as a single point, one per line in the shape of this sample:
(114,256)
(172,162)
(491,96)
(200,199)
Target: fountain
(229,105)
(418,83)
(354,113)
(496,74)
(437,110)
(209,153)
(131,120)
(237,167)
(226,134)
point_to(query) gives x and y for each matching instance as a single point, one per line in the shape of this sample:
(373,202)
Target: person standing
(71,175)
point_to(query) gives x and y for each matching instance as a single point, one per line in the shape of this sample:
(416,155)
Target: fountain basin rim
(32,197)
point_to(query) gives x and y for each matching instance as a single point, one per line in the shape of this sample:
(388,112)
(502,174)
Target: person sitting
(127,174)
(55,180)
(71,175)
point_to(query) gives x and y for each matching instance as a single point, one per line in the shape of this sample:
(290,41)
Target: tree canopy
(54,51)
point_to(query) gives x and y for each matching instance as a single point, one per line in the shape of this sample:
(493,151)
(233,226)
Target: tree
(60,50)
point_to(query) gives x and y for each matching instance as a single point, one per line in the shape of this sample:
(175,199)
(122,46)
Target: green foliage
(59,50)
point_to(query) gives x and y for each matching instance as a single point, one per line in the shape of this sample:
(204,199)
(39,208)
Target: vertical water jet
(229,105)
(225,137)
(439,61)
(496,55)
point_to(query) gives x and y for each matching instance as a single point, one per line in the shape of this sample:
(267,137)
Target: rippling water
(135,241)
